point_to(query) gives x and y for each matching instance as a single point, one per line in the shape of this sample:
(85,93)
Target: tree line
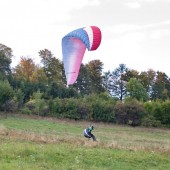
(123,95)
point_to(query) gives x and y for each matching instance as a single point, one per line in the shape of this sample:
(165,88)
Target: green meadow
(28,142)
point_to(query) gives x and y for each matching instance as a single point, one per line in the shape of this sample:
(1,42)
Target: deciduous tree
(94,68)
(147,79)
(161,87)
(83,81)
(4,65)
(136,90)
(118,84)
(52,66)
(25,69)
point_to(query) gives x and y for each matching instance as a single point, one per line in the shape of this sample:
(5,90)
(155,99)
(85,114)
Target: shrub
(64,108)
(165,112)
(11,106)
(101,107)
(6,94)
(19,98)
(38,107)
(130,112)
(102,111)
(25,110)
(92,107)
(150,121)
(159,110)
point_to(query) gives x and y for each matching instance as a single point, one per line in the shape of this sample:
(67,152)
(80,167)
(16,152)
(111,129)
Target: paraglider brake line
(71,72)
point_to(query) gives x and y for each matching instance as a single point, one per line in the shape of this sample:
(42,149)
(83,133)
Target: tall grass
(38,143)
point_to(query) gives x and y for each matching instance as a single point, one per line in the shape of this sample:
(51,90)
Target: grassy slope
(59,144)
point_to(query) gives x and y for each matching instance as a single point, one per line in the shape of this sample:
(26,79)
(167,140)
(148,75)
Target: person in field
(88,134)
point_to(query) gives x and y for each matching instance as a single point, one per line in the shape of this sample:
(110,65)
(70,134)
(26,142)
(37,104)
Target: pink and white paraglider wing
(74,46)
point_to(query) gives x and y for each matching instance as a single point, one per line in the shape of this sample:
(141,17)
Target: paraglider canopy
(74,45)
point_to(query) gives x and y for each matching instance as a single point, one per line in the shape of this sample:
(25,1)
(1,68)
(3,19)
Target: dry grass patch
(70,131)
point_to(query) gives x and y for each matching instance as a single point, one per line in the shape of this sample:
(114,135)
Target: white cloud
(41,10)
(125,28)
(148,0)
(153,0)
(156,34)
(28,26)
(137,46)
(136,38)
(133,5)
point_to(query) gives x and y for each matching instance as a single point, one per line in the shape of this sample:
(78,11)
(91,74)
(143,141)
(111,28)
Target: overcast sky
(134,32)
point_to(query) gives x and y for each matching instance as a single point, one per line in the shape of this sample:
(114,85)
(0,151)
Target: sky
(134,32)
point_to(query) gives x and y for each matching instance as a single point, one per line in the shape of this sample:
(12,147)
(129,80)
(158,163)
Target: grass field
(36,143)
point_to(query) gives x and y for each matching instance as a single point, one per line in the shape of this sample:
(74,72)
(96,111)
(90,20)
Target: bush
(165,112)
(150,121)
(65,108)
(159,110)
(6,94)
(102,111)
(92,107)
(101,107)
(38,107)
(131,112)
(11,106)
(56,107)
(25,110)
